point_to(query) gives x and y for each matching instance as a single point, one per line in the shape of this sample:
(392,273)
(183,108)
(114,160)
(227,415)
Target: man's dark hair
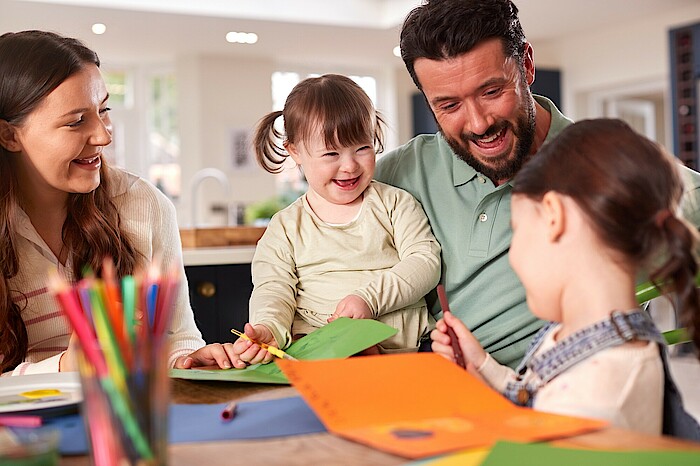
(441,29)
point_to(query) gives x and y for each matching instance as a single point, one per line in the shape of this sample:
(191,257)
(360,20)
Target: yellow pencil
(271,349)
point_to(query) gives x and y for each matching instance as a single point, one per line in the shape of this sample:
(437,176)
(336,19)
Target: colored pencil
(66,296)
(229,411)
(20,421)
(122,326)
(271,349)
(456,349)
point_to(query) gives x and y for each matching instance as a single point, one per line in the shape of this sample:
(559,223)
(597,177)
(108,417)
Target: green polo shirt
(471,219)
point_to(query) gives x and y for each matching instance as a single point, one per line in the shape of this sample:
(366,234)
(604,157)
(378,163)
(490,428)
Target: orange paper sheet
(418,404)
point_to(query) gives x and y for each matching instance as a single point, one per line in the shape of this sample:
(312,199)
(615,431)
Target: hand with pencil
(239,355)
(453,340)
(251,346)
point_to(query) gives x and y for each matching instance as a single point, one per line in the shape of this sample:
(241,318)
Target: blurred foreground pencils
(122,327)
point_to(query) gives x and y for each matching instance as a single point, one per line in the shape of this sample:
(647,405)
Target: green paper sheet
(339,339)
(508,454)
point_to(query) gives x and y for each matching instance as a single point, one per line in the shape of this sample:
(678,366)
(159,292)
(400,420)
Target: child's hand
(474,354)
(351,306)
(227,355)
(246,352)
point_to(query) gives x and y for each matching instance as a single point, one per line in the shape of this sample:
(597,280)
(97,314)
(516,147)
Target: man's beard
(504,166)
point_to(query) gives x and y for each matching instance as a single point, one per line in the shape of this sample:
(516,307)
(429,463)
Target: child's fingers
(440,336)
(222,355)
(443,350)
(259,356)
(251,331)
(239,347)
(441,325)
(231,354)
(456,324)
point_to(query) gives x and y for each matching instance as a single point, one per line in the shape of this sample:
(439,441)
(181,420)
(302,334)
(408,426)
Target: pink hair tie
(661,217)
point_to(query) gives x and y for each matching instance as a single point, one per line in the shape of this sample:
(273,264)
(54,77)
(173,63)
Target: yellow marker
(271,349)
(41,393)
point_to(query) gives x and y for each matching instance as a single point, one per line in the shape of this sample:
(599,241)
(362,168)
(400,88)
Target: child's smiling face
(338,175)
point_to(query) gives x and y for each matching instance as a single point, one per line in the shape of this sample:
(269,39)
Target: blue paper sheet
(201,422)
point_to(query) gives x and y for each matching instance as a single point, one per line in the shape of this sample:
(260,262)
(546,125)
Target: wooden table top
(324,448)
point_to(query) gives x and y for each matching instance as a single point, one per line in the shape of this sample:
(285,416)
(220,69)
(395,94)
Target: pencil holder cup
(126,420)
(29,447)
(122,330)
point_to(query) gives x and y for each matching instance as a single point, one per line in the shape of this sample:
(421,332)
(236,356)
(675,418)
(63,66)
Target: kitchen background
(190,79)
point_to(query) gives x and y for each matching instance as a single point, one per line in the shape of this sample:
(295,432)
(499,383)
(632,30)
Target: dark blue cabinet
(219,295)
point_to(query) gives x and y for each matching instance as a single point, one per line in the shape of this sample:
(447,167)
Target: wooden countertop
(218,256)
(220,236)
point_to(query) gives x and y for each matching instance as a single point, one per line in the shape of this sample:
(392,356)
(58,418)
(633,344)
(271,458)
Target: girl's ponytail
(269,154)
(677,273)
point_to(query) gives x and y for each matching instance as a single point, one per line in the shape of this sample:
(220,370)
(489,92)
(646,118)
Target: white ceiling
(339,32)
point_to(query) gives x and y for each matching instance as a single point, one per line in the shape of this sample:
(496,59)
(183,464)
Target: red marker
(459,357)
(229,411)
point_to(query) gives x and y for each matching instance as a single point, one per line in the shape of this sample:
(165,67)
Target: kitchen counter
(212,237)
(218,255)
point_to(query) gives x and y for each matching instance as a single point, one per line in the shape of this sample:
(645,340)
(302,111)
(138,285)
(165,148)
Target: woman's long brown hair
(32,64)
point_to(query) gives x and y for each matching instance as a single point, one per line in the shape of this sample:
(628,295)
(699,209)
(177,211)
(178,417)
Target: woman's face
(60,143)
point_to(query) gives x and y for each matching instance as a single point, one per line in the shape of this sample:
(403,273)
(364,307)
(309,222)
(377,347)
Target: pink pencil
(20,421)
(71,307)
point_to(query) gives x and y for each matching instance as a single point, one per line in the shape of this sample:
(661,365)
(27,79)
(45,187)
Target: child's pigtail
(680,268)
(268,151)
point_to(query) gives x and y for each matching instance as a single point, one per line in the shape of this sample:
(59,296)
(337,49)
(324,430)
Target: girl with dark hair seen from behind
(595,209)
(62,207)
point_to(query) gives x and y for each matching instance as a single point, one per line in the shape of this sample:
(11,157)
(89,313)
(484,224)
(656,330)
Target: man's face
(483,106)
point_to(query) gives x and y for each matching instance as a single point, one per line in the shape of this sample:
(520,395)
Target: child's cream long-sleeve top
(387,256)
(622,384)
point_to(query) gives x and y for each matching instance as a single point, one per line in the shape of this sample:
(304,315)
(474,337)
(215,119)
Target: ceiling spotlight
(241,37)
(99,28)
(397,51)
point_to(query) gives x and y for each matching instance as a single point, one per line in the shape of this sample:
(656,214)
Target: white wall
(627,55)
(216,95)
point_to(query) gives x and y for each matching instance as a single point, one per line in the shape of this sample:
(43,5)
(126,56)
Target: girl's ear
(8,137)
(554,215)
(292,151)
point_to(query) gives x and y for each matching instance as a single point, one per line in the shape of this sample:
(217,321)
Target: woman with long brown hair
(62,206)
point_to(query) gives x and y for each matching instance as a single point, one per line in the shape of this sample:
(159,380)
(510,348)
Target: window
(145,129)
(163,136)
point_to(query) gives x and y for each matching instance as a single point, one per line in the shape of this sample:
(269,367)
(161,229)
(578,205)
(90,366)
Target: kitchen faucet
(197,179)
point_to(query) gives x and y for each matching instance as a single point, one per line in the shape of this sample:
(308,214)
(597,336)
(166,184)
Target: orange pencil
(109,289)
